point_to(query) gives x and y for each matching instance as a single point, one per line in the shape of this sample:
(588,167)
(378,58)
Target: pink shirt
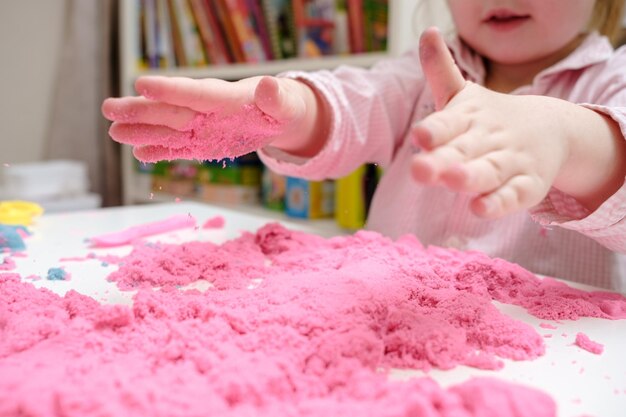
(371,113)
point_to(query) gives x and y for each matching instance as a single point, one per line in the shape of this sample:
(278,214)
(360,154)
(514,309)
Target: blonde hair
(607,18)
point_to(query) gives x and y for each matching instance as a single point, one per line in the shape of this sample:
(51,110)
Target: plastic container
(45,180)
(88,201)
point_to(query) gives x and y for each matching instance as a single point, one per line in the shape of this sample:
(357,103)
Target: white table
(581,382)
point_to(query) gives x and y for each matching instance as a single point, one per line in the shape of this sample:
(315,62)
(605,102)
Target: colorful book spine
(249,42)
(315,22)
(281,28)
(192,44)
(273,187)
(206,34)
(355,19)
(309,199)
(179,51)
(341,44)
(142,56)
(218,32)
(164,36)
(230,35)
(150,25)
(260,27)
(353,195)
(375,27)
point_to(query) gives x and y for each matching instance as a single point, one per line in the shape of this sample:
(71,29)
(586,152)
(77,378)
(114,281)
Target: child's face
(519,31)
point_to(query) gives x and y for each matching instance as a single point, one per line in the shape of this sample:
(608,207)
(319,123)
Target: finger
(144,111)
(162,153)
(442,74)
(140,134)
(428,167)
(208,95)
(438,129)
(520,192)
(483,174)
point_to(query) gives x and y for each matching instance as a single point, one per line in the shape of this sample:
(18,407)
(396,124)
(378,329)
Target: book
(309,199)
(230,35)
(355,19)
(150,30)
(315,25)
(353,195)
(260,27)
(177,42)
(281,28)
(142,57)
(192,44)
(341,44)
(273,187)
(240,16)
(375,18)
(218,32)
(164,36)
(212,50)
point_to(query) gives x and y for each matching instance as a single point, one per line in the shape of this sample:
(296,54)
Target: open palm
(505,149)
(183,118)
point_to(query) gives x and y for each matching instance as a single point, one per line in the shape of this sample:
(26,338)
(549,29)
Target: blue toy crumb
(56,274)
(11,239)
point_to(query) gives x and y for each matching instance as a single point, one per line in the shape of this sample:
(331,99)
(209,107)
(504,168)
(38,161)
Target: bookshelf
(137,187)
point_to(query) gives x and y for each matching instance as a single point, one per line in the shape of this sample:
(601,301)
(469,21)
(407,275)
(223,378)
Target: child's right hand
(183,118)
(510,150)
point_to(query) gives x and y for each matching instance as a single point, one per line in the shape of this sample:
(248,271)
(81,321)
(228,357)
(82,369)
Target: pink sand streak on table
(127,236)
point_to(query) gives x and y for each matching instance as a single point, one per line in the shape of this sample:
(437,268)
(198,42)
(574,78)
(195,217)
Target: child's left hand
(507,149)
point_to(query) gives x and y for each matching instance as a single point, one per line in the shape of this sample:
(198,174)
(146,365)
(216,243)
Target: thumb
(442,74)
(272,99)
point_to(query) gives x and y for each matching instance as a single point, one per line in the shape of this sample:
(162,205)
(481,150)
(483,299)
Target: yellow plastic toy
(19,213)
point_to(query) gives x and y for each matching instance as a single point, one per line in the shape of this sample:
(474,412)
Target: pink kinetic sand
(583,341)
(209,136)
(310,339)
(124,237)
(7,264)
(216,222)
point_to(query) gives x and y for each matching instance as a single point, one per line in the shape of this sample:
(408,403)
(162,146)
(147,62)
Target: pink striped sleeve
(371,112)
(607,224)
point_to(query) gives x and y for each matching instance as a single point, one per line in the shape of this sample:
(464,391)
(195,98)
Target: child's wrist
(596,160)
(308,134)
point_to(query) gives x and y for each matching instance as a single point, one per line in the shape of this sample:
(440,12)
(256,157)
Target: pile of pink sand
(295,325)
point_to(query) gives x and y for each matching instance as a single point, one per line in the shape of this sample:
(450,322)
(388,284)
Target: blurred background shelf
(245,70)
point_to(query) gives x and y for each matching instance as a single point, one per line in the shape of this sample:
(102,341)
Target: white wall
(30,39)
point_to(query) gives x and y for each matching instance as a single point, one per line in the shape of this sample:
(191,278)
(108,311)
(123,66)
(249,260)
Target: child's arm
(511,150)
(214,119)
(326,123)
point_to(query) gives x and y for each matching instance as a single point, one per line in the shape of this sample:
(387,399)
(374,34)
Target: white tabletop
(582,383)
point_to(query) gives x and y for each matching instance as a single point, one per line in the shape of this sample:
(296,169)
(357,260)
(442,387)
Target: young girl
(510,139)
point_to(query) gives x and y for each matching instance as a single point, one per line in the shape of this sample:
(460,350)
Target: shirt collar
(469,62)
(594,49)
